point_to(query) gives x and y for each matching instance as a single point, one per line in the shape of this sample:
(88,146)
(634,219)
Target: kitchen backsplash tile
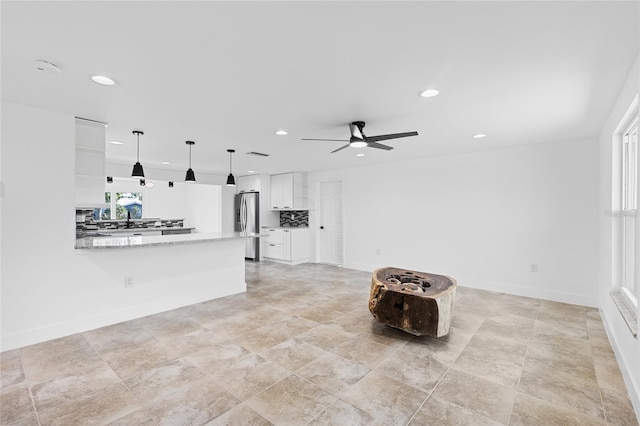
(294,218)
(86,224)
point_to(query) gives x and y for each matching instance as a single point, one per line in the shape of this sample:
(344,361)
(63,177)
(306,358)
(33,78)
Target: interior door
(331,232)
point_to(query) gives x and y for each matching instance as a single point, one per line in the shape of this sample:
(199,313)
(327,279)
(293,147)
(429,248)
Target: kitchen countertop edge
(103,243)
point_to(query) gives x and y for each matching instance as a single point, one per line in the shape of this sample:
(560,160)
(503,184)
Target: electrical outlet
(534,267)
(128,281)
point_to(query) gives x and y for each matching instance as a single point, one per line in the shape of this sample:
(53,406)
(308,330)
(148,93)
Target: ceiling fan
(359,139)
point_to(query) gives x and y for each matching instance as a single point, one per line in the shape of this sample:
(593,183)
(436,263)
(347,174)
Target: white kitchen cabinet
(289,191)
(249,183)
(286,245)
(89,163)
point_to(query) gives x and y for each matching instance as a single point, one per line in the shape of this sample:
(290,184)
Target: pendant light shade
(231,181)
(191,176)
(137,168)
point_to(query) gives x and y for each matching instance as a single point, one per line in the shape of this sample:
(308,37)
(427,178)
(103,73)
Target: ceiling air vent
(257,154)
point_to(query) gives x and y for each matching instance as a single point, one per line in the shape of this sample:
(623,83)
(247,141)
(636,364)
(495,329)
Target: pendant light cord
(189,155)
(138,150)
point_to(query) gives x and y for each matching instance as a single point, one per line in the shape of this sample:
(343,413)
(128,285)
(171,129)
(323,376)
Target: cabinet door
(287,244)
(300,244)
(248,184)
(287,191)
(277,192)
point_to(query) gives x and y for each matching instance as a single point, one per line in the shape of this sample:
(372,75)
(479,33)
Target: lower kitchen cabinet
(286,245)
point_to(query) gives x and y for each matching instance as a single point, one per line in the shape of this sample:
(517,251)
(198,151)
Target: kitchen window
(122,205)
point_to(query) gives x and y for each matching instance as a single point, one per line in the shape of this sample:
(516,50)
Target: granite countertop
(88,243)
(148,229)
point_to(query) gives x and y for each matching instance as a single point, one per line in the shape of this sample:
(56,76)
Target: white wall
(481,218)
(48,289)
(158,201)
(626,347)
(202,209)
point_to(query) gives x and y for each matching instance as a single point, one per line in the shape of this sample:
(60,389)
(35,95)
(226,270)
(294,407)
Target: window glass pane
(128,204)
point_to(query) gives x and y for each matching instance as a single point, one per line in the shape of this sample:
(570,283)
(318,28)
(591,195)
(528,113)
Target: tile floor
(300,347)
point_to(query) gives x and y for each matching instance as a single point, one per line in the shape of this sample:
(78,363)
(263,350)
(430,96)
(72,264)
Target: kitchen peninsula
(134,276)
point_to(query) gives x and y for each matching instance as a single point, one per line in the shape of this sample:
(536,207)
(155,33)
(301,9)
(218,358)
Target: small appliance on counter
(247,219)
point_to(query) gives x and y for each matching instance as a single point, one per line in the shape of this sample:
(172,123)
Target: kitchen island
(132,277)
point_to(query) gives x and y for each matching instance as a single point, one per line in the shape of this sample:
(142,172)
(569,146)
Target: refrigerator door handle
(244,214)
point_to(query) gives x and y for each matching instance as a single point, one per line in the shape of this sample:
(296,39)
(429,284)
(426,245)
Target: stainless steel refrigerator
(247,211)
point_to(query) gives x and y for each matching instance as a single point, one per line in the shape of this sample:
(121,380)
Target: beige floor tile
(387,400)
(162,380)
(182,346)
(518,305)
(555,382)
(27,421)
(421,373)
(333,373)
(16,404)
(72,386)
(293,354)
(437,350)
(532,411)
(325,336)
(478,395)
(132,360)
(99,407)
(11,371)
(438,412)
(115,335)
(504,364)
(262,338)
(196,404)
(249,375)
(137,418)
(53,348)
(341,413)
(509,327)
(617,410)
(240,415)
(609,376)
(293,401)
(364,351)
(61,365)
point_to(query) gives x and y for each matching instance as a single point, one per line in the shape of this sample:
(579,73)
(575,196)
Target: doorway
(330,223)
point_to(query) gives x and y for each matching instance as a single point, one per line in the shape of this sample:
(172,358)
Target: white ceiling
(229,74)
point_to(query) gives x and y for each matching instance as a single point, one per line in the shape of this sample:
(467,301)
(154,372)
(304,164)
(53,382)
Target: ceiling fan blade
(379,146)
(341,148)
(391,136)
(331,140)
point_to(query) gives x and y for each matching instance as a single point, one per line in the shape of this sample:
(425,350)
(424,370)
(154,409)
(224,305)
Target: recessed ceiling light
(479,136)
(165,163)
(100,79)
(250,171)
(116,143)
(360,155)
(281,132)
(429,93)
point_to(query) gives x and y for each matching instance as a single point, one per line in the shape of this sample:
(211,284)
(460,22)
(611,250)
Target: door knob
(322,227)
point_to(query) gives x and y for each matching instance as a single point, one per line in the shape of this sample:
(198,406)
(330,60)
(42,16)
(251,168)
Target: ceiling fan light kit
(360,140)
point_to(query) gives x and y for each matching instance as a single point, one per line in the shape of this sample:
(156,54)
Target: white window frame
(629,208)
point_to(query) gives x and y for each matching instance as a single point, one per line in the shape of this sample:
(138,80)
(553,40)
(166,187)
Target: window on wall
(629,212)
(121,206)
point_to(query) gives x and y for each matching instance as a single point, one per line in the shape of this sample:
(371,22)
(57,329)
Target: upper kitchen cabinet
(289,191)
(90,159)
(249,183)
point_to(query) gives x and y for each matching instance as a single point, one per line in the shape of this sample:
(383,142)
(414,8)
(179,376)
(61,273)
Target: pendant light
(190,177)
(137,168)
(230,179)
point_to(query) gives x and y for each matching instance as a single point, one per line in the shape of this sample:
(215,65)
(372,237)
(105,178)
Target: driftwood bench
(416,302)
